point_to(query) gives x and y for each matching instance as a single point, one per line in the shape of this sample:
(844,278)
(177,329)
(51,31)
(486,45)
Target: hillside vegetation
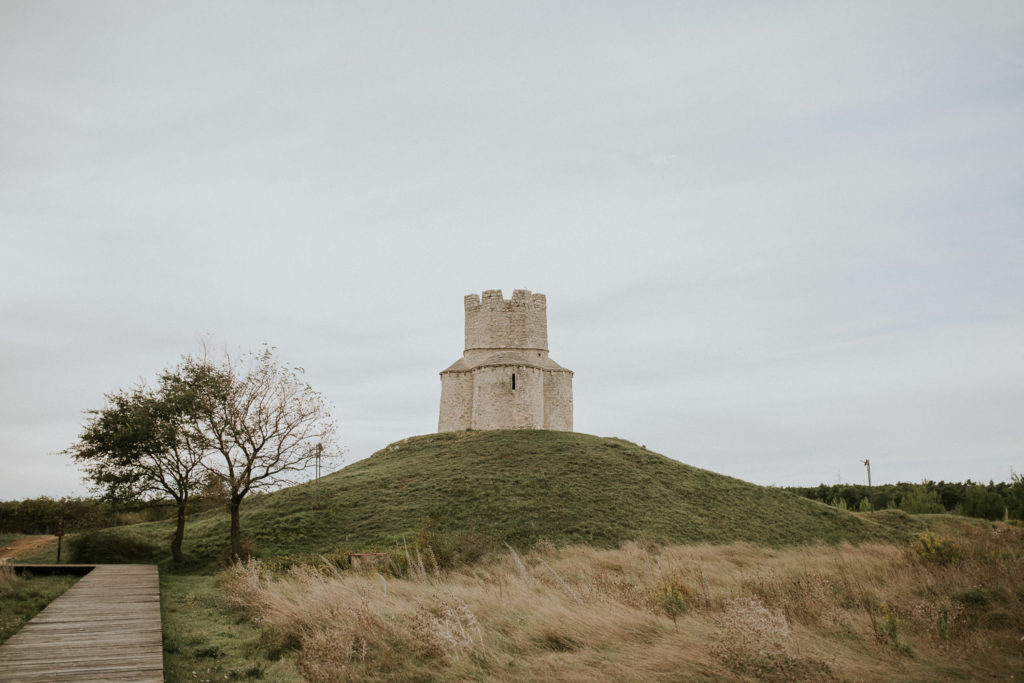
(517,487)
(944,608)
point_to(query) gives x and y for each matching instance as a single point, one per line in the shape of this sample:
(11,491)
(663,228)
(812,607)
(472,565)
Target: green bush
(937,549)
(974,596)
(325,563)
(453,548)
(671,595)
(110,546)
(887,628)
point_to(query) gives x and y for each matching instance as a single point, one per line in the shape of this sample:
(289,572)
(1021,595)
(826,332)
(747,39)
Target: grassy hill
(518,487)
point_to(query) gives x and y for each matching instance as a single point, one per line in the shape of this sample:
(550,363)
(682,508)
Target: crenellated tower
(505,379)
(496,323)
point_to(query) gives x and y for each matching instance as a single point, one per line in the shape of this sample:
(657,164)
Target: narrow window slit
(513,381)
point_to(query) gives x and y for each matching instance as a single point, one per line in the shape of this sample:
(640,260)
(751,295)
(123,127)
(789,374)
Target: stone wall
(496,405)
(496,323)
(456,401)
(558,400)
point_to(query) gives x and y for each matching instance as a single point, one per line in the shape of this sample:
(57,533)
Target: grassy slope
(517,487)
(205,642)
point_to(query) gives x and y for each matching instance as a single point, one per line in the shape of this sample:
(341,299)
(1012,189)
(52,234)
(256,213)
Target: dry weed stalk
(561,582)
(520,567)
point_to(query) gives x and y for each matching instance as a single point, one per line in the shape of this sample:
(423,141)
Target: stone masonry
(505,379)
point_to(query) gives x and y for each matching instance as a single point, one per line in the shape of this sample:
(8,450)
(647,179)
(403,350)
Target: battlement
(493,300)
(493,322)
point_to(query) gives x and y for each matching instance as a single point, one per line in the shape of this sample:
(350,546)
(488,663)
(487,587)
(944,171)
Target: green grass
(45,554)
(7,539)
(203,641)
(518,487)
(23,597)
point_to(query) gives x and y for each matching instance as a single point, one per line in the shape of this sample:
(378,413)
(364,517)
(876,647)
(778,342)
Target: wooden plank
(104,628)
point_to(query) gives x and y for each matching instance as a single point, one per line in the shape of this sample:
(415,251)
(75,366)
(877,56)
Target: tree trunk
(179,534)
(237,551)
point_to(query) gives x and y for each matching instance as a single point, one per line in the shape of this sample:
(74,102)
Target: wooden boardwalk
(104,628)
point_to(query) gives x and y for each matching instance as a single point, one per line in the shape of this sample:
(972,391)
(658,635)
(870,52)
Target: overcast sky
(776,238)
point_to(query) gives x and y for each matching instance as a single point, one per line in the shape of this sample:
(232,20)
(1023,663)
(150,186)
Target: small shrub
(671,595)
(997,620)
(253,672)
(110,546)
(974,596)
(451,549)
(325,563)
(938,549)
(673,604)
(211,652)
(887,628)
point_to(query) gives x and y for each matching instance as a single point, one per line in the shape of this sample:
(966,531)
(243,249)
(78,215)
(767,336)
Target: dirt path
(24,545)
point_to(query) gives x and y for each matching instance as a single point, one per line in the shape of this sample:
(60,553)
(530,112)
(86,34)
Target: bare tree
(263,422)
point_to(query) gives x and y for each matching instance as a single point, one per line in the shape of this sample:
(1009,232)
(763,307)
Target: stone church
(505,379)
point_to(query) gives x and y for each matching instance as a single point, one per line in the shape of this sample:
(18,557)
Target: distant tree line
(40,515)
(992,501)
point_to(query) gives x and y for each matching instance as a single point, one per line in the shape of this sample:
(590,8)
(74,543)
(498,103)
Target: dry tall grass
(7,575)
(644,613)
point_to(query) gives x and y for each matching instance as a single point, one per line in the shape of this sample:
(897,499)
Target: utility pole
(871,502)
